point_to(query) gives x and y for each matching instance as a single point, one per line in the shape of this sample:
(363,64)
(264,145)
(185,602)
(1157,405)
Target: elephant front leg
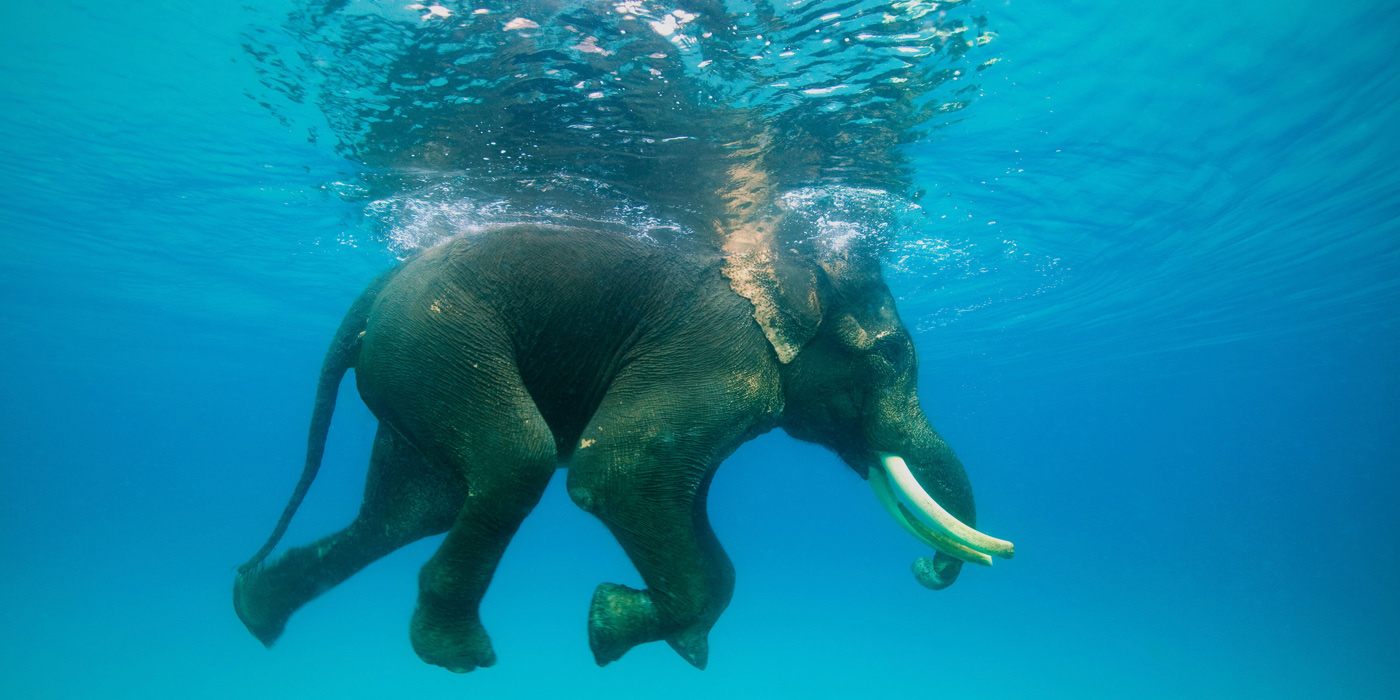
(643,467)
(689,578)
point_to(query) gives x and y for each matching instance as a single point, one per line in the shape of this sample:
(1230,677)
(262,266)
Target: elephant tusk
(943,521)
(884,493)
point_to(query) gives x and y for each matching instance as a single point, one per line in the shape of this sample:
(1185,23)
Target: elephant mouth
(943,532)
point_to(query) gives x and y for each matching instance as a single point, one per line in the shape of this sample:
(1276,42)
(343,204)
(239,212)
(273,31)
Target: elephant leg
(490,431)
(405,499)
(643,467)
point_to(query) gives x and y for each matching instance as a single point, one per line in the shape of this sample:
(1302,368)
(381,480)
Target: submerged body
(558,320)
(492,359)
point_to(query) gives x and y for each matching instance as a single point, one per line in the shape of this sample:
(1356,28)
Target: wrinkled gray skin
(493,359)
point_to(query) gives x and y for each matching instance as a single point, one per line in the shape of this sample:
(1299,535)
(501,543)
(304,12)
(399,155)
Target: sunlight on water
(692,116)
(708,114)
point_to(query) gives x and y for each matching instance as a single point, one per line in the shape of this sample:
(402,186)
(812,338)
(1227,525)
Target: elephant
(638,362)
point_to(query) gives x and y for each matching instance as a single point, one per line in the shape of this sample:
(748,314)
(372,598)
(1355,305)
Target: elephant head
(850,383)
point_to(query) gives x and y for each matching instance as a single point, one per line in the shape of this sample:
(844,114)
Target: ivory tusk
(942,520)
(884,493)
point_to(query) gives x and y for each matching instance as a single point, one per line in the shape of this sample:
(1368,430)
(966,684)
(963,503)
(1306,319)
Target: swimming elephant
(496,357)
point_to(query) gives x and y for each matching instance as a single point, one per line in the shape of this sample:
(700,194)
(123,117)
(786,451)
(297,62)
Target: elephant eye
(895,349)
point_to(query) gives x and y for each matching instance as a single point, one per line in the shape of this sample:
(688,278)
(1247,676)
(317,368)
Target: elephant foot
(618,619)
(251,601)
(693,644)
(459,646)
(622,617)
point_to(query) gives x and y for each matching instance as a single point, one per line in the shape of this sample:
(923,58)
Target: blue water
(1155,291)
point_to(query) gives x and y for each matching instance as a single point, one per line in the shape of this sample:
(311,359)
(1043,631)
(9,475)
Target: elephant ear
(784,291)
(781,283)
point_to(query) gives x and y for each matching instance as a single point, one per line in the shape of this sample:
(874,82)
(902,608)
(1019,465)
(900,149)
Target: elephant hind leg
(405,500)
(507,458)
(445,377)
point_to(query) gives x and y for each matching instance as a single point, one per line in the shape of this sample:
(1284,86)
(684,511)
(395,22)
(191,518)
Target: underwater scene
(699,349)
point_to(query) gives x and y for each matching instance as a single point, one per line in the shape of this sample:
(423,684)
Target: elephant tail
(344,350)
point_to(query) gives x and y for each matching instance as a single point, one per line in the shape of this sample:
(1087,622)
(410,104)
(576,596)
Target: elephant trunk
(921,483)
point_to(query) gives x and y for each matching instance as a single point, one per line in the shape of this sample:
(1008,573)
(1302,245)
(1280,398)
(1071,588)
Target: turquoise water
(1154,280)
